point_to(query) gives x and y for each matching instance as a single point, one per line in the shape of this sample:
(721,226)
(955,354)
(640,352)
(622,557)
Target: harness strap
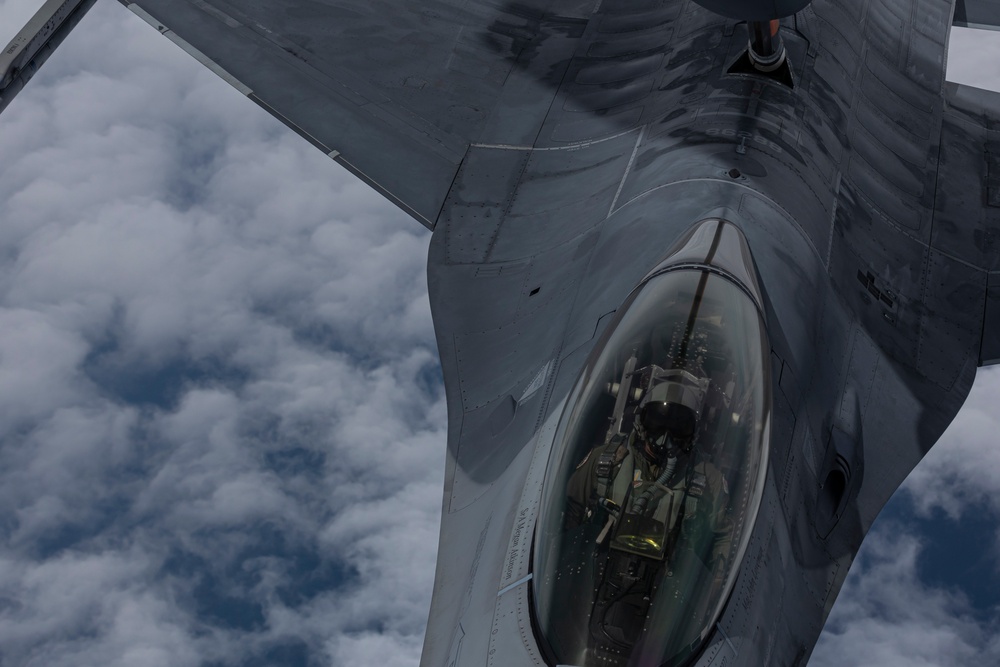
(609,459)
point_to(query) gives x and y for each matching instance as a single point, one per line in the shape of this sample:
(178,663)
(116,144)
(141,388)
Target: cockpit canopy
(655,477)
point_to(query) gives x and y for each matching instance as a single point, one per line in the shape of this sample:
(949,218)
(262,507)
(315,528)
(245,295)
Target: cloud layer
(220,407)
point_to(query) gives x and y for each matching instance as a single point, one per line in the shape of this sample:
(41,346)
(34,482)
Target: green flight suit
(696,494)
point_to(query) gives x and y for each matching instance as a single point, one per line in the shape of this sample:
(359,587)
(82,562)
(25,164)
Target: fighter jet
(708,281)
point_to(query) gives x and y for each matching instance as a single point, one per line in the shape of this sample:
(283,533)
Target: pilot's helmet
(668,413)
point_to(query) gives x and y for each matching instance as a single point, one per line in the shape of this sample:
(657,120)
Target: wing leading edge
(394,91)
(33,45)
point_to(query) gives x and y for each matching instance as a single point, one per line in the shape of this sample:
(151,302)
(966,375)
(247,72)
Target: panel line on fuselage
(628,169)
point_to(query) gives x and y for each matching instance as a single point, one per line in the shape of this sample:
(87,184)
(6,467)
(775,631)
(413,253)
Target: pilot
(654,490)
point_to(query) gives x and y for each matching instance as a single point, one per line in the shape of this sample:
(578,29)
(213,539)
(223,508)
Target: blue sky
(221,421)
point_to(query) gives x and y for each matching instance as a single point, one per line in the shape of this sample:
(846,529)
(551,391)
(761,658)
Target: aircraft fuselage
(831,179)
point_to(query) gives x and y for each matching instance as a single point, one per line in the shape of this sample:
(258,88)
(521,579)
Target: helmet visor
(673,419)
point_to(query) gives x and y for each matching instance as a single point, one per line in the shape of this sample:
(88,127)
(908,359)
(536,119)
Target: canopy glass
(655,477)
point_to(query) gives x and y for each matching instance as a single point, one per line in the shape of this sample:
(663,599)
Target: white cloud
(974,58)
(218,443)
(887,616)
(959,471)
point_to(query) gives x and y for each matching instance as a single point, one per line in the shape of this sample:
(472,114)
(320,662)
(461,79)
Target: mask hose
(639,506)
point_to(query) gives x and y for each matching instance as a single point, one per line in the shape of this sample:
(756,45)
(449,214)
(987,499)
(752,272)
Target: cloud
(974,58)
(887,615)
(222,424)
(958,471)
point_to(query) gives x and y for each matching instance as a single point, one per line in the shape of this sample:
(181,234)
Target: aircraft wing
(394,91)
(33,45)
(967,203)
(983,14)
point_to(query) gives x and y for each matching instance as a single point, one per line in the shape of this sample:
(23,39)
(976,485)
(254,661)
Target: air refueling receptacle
(765,49)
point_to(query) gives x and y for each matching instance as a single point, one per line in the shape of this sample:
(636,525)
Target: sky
(222,425)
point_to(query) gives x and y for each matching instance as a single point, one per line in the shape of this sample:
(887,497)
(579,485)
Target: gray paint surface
(559,149)
(984,14)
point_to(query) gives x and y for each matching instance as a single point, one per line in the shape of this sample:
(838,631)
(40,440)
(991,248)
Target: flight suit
(696,495)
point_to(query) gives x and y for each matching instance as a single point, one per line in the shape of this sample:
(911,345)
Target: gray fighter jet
(708,280)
